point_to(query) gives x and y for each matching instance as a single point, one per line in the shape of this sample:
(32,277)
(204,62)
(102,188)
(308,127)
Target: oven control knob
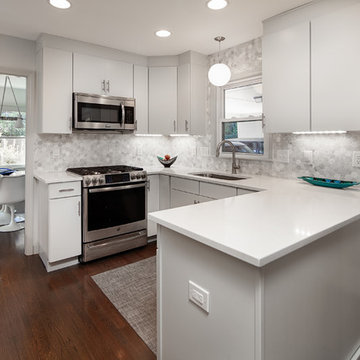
(138,176)
(101,181)
(94,181)
(132,176)
(143,176)
(87,181)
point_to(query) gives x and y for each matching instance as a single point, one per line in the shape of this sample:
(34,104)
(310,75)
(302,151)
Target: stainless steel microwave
(101,112)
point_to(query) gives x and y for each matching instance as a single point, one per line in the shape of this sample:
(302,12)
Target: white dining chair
(12,191)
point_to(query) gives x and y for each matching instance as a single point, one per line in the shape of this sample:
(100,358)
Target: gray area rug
(132,290)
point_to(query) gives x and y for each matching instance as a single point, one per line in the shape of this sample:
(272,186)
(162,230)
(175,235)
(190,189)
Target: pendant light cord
(7,78)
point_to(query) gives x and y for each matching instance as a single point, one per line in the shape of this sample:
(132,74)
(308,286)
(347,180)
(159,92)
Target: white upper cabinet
(163,100)
(184,99)
(335,70)
(54,91)
(141,91)
(286,79)
(192,85)
(96,75)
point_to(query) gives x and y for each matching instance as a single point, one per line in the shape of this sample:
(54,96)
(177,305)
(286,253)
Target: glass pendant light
(219,74)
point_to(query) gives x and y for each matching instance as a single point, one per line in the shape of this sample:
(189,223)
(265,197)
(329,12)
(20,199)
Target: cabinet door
(164,192)
(89,74)
(198,99)
(286,79)
(141,91)
(181,198)
(336,70)
(162,100)
(54,68)
(119,79)
(153,201)
(64,228)
(216,191)
(184,99)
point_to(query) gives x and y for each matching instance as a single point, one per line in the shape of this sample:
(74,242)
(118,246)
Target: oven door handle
(115,188)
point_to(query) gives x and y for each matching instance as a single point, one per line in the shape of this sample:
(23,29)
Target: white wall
(18,58)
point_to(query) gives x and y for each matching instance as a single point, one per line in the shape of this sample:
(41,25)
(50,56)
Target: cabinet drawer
(243,191)
(67,189)
(190,186)
(216,191)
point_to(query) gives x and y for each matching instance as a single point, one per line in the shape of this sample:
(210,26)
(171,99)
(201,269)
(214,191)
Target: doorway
(13,114)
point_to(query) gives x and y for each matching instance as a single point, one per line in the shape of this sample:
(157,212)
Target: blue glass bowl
(338,184)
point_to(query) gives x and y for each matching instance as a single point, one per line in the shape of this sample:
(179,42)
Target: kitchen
(63,66)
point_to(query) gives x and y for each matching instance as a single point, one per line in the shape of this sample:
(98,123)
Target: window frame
(220,99)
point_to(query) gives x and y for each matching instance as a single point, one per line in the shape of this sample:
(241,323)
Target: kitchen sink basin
(218,176)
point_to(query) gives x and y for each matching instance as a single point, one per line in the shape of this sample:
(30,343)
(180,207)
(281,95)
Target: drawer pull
(66,190)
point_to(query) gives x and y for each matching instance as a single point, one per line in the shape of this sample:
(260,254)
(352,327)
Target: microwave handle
(122,115)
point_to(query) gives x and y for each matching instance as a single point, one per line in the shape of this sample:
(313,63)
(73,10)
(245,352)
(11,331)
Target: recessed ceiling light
(60,4)
(163,33)
(217,4)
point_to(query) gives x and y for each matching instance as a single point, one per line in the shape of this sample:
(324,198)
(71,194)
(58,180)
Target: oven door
(114,210)
(98,112)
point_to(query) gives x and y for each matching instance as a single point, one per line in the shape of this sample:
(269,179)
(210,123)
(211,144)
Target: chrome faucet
(234,166)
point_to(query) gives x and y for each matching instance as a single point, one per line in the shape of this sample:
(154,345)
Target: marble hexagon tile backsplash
(332,154)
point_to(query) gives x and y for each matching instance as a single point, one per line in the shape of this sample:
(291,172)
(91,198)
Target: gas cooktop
(103,175)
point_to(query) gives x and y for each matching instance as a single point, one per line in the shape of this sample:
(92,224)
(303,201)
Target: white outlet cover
(308,156)
(199,296)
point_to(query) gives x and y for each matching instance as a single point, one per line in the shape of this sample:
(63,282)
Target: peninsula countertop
(258,228)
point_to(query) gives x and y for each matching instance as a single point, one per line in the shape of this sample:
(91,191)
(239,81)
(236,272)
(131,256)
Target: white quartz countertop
(53,177)
(263,226)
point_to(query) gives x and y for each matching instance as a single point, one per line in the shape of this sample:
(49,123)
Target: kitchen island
(281,267)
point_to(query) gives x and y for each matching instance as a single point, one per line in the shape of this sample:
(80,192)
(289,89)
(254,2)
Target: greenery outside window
(241,119)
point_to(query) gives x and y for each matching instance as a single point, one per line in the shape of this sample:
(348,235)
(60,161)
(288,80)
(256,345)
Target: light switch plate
(199,296)
(283,156)
(356,159)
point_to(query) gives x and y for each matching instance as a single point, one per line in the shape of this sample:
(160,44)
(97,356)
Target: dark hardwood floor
(63,314)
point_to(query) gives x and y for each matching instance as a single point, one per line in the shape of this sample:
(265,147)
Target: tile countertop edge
(252,260)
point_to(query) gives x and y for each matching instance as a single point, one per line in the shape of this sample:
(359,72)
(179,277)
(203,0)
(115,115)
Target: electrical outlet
(356,159)
(283,156)
(199,296)
(308,156)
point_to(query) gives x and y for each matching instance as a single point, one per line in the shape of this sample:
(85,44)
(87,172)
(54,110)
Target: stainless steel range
(114,207)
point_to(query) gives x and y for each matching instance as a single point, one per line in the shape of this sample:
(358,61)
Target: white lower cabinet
(152,201)
(182,198)
(59,223)
(64,228)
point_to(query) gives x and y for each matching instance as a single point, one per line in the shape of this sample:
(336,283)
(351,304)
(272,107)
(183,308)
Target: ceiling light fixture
(217,4)
(219,74)
(163,33)
(60,4)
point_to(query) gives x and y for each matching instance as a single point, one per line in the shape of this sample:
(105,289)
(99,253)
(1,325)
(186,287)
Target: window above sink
(240,119)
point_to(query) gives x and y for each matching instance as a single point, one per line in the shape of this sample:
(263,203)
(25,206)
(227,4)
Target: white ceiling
(130,24)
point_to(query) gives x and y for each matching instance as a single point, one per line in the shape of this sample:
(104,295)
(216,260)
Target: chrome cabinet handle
(122,115)
(186,126)
(79,208)
(196,202)
(70,123)
(148,185)
(103,85)
(65,190)
(174,126)
(108,86)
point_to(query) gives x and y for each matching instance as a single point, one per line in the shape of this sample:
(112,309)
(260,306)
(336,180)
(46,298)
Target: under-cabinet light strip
(319,132)
(177,135)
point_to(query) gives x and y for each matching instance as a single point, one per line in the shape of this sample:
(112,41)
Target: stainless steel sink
(218,176)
